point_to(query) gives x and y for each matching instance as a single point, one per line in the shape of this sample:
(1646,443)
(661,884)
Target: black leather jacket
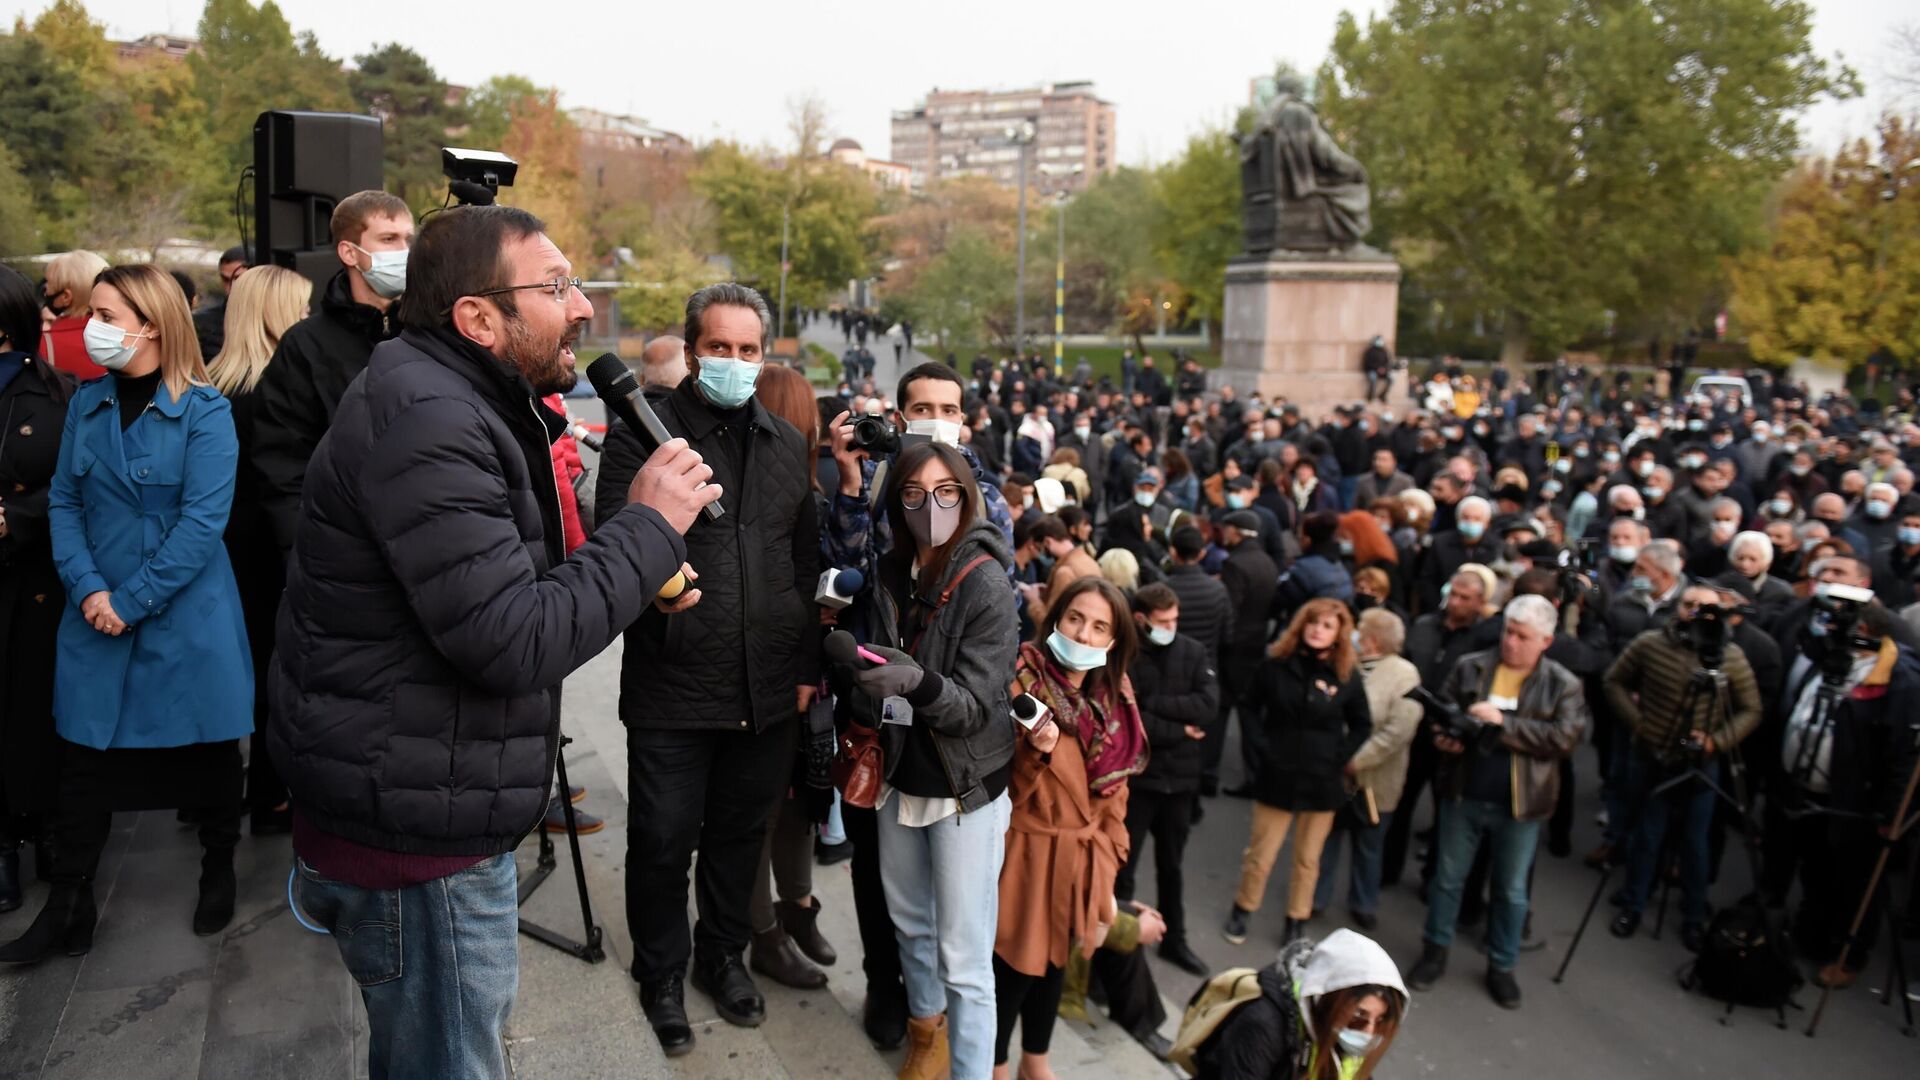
(1545,728)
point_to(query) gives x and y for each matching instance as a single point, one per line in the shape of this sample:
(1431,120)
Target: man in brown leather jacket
(1499,789)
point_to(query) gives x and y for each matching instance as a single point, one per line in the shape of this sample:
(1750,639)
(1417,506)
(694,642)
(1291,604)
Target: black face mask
(47,302)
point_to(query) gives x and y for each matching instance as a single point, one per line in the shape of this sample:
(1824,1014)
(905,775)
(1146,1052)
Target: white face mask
(940,431)
(386,271)
(108,345)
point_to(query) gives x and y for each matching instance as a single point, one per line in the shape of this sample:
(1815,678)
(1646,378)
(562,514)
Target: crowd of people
(327,574)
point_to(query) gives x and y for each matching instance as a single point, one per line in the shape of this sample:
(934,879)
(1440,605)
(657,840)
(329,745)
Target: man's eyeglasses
(945,496)
(560,287)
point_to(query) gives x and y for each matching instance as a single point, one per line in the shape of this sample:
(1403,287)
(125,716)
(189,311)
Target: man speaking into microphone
(430,615)
(709,694)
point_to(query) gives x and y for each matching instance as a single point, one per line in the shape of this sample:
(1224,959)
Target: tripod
(1897,966)
(591,950)
(1708,684)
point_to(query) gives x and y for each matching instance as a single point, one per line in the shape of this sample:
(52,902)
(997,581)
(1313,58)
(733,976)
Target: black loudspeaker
(304,163)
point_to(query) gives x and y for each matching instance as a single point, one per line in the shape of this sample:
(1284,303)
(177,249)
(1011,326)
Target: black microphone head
(841,648)
(610,375)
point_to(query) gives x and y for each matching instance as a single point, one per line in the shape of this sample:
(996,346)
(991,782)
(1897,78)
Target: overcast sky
(727,70)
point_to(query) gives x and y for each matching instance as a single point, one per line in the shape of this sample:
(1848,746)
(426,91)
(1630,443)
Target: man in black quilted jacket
(431,613)
(709,695)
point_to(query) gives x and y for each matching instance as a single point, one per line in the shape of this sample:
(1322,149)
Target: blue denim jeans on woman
(943,890)
(1363,880)
(1464,825)
(438,966)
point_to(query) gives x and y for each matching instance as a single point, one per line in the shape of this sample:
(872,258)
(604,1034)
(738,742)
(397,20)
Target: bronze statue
(1299,191)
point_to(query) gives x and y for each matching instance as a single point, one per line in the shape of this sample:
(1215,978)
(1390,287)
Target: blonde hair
(1122,567)
(75,271)
(265,301)
(157,300)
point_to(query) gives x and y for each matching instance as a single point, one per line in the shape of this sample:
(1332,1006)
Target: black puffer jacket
(1176,685)
(430,613)
(1205,609)
(968,650)
(733,661)
(1314,722)
(300,390)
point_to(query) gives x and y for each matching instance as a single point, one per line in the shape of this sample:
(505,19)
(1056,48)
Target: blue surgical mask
(1074,656)
(1909,536)
(1640,583)
(1346,546)
(1356,1044)
(726,382)
(109,346)
(1143,498)
(1472,530)
(1780,507)
(1879,508)
(1160,635)
(386,272)
(1624,553)
(1236,501)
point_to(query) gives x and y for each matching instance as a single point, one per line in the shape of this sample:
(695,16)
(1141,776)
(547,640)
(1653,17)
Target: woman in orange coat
(1069,832)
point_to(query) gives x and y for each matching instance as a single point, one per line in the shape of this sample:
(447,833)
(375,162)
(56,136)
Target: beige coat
(1381,761)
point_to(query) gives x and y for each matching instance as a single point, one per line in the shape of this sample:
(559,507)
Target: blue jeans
(438,966)
(1464,825)
(1363,880)
(1693,803)
(833,832)
(943,890)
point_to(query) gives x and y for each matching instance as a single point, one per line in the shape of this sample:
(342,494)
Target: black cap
(1510,493)
(1734,581)
(1540,551)
(1245,520)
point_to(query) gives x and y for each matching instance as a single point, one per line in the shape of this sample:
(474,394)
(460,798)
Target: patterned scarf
(1112,738)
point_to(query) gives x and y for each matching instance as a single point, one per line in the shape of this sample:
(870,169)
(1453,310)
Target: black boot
(885,1014)
(722,977)
(1294,928)
(665,1003)
(802,924)
(774,954)
(215,909)
(10,875)
(65,924)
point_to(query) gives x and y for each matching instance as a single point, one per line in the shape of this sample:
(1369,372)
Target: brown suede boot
(927,1056)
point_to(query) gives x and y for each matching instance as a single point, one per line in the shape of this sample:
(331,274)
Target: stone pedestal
(1296,324)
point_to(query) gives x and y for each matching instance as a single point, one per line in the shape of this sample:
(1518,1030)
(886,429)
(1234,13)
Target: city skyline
(866,60)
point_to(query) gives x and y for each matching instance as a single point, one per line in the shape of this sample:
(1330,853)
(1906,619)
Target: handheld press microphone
(616,386)
(842,649)
(837,588)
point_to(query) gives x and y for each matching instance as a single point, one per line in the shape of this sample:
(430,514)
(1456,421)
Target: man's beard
(547,365)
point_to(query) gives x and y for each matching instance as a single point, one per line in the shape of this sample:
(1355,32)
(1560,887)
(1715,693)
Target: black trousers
(706,788)
(879,946)
(1169,819)
(1422,759)
(1032,1000)
(204,779)
(1235,673)
(1132,1000)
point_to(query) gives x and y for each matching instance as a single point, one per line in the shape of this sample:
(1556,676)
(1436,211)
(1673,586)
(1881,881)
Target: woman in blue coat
(153,684)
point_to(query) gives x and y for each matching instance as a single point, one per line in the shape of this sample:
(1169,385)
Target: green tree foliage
(547,146)
(1839,278)
(964,293)
(490,108)
(1564,158)
(832,210)
(1196,227)
(19,221)
(655,290)
(44,114)
(250,61)
(397,85)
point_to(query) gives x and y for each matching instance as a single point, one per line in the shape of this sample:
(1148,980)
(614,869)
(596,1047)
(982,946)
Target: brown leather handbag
(860,767)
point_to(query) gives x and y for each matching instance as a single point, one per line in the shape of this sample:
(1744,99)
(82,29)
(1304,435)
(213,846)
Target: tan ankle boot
(926,1049)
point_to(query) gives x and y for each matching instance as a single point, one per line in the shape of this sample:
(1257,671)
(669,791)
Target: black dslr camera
(1838,612)
(1452,721)
(875,435)
(1707,632)
(1579,579)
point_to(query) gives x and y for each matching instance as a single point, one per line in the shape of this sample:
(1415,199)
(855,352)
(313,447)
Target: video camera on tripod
(1836,627)
(1579,574)
(1453,722)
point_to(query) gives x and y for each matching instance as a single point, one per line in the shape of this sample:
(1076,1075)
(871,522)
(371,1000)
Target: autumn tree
(830,208)
(1566,158)
(1839,278)
(250,61)
(1196,224)
(547,145)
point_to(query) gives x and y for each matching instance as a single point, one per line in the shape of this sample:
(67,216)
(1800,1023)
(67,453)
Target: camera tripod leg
(1593,902)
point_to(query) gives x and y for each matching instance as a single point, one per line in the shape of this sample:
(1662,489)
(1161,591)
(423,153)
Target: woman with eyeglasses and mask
(33,408)
(153,685)
(944,621)
(1069,835)
(1325,1012)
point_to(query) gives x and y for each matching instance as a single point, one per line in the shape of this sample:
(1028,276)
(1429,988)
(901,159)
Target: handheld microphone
(1028,711)
(842,649)
(617,387)
(585,436)
(837,588)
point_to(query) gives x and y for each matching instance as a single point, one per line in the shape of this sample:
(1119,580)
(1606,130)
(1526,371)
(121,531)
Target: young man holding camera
(1647,688)
(1525,713)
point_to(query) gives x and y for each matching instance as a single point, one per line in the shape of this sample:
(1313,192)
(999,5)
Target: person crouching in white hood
(1325,1012)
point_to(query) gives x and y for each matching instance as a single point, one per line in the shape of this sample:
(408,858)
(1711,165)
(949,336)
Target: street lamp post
(1060,267)
(1021,136)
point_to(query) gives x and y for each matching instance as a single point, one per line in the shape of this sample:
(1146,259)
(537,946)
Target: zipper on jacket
(740,556)
(534,407)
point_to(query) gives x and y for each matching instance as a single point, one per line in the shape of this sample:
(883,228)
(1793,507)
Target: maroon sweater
(370,867)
